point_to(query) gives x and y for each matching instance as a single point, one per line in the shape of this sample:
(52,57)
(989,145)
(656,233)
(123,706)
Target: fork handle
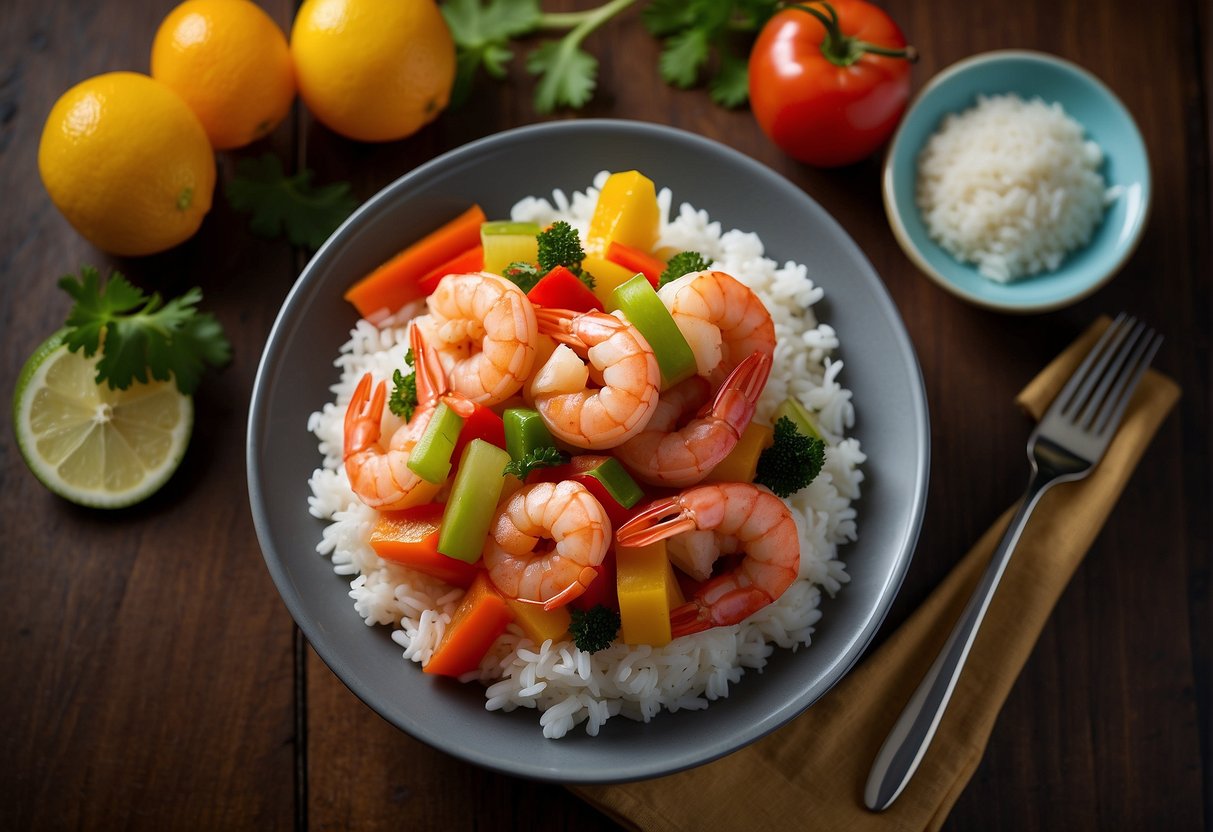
(907,742)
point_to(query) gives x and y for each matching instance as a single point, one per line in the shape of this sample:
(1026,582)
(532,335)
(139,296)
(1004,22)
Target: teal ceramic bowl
(1084,98)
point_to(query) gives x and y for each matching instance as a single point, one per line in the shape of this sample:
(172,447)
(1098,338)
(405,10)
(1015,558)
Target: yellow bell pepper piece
(648,591)
(741,465)
(626,213)
(607,276)
(540,624)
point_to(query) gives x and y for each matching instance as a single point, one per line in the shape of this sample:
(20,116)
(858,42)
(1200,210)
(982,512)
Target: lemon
(231,64)
(127,163)
(92,445)
(372,70)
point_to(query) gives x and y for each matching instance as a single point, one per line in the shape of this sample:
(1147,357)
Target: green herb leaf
(279,204)
(140,336)
(664,17)
(545,457)
(567,75)
(730,86)
(559,245)
(481,33)
(682,57)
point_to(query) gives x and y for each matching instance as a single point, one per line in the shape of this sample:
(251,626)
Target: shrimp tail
(431,377)
(660,520)
(361,418)
(573,590)
(731,607)
(555,323)
(735,400)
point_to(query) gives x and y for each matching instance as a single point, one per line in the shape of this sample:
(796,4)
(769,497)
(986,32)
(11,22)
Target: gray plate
(297,368)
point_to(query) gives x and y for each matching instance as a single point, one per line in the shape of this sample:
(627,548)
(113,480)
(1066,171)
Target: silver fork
(1066,444)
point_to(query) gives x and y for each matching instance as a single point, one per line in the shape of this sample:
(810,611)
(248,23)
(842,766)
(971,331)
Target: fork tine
(1067,397)
(1117,358)
(1118,399)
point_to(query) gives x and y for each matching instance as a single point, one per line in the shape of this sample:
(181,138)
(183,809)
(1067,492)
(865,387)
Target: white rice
(569,686)
(1011,186)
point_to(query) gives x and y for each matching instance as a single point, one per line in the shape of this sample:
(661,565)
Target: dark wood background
(151,678)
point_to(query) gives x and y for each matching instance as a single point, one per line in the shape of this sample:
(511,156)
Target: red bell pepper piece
(602,590)
(482,424)
(471,260)
(560,289)
(410,537)
(636,260)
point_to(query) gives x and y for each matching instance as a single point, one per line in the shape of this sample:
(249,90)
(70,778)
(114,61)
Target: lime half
(92,445)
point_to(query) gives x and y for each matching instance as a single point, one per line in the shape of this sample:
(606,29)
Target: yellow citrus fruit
(230,62)
(373,70)
(127,163)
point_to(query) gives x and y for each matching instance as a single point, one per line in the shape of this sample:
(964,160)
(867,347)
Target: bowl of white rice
(550,711)
(1017,181)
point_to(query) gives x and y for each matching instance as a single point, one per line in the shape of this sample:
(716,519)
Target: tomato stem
(844,50)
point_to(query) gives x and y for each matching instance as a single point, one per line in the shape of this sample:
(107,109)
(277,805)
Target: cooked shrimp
(620,360)
(722,319)
(524,565)
(483,329)
(742,517)
(381,478)
(665,454)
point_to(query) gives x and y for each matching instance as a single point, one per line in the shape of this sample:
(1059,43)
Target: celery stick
(800,416)
(431,456)
(473,501)
(508,242)
(646,312)
(524,432)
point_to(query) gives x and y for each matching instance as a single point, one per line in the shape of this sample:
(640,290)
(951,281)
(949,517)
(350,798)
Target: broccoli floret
(560,245)
(544,457)
(594,629)
(792,462)
(403,400)
(684,262)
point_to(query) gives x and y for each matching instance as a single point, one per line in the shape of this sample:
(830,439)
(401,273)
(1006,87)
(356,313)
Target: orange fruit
(127,163)
(230,62)
(373,70)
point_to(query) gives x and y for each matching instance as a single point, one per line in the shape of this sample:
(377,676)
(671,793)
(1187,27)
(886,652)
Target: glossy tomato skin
(816,111)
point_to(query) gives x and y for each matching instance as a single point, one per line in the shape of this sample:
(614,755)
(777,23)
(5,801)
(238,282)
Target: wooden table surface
(152,678)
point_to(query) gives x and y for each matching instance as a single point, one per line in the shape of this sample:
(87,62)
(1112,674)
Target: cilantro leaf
(481,33)
(682,57)
(568,74)
(544,457)
(730,86)
(279,204)
(140,336)
(664,17)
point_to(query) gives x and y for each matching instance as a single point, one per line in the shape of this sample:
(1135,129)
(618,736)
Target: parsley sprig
(403,401)
(280,204)
(544,457)
(139,335)
(701,39)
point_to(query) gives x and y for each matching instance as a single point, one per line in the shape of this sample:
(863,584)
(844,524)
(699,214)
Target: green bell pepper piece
(646,312)
(524,432)
(473,501)
(431,456)
(617,482)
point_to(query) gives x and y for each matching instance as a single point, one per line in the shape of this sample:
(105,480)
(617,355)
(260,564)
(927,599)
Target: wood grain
(153,679)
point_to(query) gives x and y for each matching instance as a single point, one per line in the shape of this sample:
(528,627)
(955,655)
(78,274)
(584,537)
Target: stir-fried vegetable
(480,618)
(648,314)
(410,537)
(594,629)
(792,462)
(473,501)
(431,457)
(648,591)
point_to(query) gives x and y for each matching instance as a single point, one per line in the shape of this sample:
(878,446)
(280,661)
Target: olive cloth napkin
(811,772)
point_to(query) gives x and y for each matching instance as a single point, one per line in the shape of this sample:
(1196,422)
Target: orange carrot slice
(470,261)
(481,616)
(410,537)
(636,260)
(396,282)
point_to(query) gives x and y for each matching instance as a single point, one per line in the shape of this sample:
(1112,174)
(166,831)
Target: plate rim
(856,643)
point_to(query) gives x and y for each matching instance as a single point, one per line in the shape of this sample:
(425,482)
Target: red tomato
(830,101)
